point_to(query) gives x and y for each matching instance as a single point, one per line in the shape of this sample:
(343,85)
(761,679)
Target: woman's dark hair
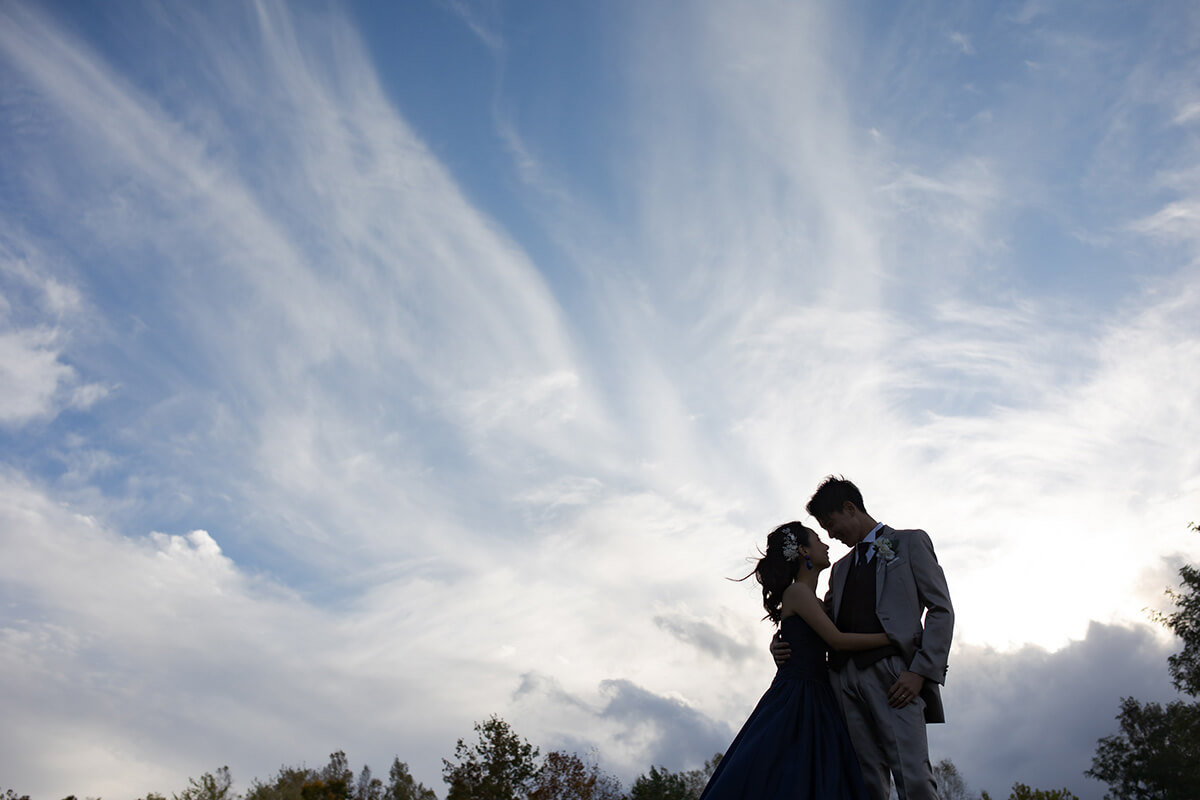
(774,571)
(832,495)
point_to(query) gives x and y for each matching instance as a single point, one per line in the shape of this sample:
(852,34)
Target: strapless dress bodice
(807,660)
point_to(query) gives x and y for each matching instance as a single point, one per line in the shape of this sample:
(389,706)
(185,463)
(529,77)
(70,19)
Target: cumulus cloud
(32,373)
(706,637)
(631,727)
(240,669)
(38,311)
(1006,711)
(155,657)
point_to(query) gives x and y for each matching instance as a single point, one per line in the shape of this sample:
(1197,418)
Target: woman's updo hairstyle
(778,566)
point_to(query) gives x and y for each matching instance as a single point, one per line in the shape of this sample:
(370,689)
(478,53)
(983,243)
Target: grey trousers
(890,742)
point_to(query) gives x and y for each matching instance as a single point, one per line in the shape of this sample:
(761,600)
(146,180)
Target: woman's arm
(799,599)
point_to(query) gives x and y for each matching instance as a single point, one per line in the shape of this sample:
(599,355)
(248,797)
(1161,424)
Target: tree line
(1154,756)
(499,765)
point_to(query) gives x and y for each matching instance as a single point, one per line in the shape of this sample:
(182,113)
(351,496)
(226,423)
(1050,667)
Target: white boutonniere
(885,546)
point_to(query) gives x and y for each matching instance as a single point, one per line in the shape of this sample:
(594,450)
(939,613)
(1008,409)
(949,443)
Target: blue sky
(367,371)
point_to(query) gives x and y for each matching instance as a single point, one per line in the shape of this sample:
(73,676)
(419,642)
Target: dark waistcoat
(856,614)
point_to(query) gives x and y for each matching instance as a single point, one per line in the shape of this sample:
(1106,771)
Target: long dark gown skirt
(795,745)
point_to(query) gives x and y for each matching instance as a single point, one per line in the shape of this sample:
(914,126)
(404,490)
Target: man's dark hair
(832,495)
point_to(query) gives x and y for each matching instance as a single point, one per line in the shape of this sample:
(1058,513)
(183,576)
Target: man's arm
(781,651)
(931,658)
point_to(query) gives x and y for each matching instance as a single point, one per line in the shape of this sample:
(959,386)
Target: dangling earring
(808,562)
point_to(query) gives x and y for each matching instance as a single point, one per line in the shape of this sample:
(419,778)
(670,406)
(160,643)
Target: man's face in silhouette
(844,525)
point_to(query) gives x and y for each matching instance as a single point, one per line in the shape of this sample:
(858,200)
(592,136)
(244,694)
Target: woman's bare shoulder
(797,592)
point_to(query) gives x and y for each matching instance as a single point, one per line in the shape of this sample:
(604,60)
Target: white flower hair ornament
(791,550)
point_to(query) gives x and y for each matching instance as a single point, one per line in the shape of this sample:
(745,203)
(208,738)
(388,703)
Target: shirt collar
(870,537)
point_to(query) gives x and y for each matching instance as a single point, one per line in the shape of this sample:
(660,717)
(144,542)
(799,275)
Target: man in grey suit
(889,582)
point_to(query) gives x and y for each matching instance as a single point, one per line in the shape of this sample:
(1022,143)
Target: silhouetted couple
(843,728)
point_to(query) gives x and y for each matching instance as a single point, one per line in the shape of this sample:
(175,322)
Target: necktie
(862,548)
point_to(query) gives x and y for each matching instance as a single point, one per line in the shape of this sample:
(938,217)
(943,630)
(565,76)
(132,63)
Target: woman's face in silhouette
(818,550)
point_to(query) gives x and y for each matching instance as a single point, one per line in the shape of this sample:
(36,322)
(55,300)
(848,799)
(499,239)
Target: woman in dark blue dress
(795,745)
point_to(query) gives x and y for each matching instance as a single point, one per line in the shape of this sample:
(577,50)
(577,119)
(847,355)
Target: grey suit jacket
(908,587)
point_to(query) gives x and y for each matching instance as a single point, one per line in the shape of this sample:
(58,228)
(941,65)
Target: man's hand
(904,690)
(781,651)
